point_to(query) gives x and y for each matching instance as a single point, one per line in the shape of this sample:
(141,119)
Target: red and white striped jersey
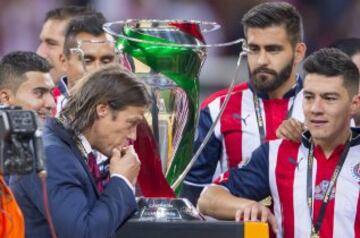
(279,169)
(237,134)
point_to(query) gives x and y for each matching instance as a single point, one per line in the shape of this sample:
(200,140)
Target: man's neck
(88,135)
(70,85)
(284,88)
(328,146)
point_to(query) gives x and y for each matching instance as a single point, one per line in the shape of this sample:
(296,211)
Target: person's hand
(290,129)
(256,212)
(125,163)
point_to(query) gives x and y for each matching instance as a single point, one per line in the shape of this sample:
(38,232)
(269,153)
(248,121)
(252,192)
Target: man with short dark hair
(86,48)
(314,183)
(52,35)
(292,128)
(102,114)
(25,81)
(256,108)
(52,38)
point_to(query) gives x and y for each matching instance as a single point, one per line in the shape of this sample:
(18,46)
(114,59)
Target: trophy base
(193,229)
(165,210)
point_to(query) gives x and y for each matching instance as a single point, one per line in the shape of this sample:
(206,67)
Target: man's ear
(300,50)
(355,106)
(102,110)
(63,61)
(7,96)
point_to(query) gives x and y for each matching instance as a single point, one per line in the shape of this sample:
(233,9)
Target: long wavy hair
(111,85)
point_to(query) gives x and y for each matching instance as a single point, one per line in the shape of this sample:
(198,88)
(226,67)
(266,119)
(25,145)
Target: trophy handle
(182,176)
(212,26)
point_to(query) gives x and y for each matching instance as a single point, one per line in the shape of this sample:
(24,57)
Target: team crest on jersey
(356,172)
(321,188)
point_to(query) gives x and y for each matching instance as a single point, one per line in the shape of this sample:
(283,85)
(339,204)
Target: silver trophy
(167,55)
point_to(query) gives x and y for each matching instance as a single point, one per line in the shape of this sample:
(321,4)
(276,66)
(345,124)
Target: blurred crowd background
(324,22)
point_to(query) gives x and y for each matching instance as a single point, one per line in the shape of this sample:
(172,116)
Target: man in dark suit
(102,114)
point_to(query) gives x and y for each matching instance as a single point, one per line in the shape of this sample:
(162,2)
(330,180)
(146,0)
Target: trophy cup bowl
(167,55)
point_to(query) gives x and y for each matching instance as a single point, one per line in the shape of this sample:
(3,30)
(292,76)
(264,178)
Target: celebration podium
(193,229)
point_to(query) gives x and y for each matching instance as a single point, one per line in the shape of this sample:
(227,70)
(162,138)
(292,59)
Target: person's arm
(290,129)
(237,195)
(74,206)
(212,203)
(217,202)
(202,172)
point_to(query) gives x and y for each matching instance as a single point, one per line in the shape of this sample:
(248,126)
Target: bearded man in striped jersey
(315,183)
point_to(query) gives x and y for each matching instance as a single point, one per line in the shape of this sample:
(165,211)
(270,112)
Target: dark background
(324,22)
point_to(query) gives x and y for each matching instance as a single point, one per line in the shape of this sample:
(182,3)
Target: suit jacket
(76,206)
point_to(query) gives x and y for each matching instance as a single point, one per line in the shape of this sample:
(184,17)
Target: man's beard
(268,83)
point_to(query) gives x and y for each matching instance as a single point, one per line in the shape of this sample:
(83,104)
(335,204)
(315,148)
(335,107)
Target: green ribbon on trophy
(168,56)
(180,65)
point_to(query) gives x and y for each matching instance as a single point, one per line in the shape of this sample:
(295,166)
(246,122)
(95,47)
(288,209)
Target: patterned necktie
(95,172)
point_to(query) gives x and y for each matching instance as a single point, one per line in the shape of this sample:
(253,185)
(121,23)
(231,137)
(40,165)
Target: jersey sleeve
(251,180)
(202,172)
